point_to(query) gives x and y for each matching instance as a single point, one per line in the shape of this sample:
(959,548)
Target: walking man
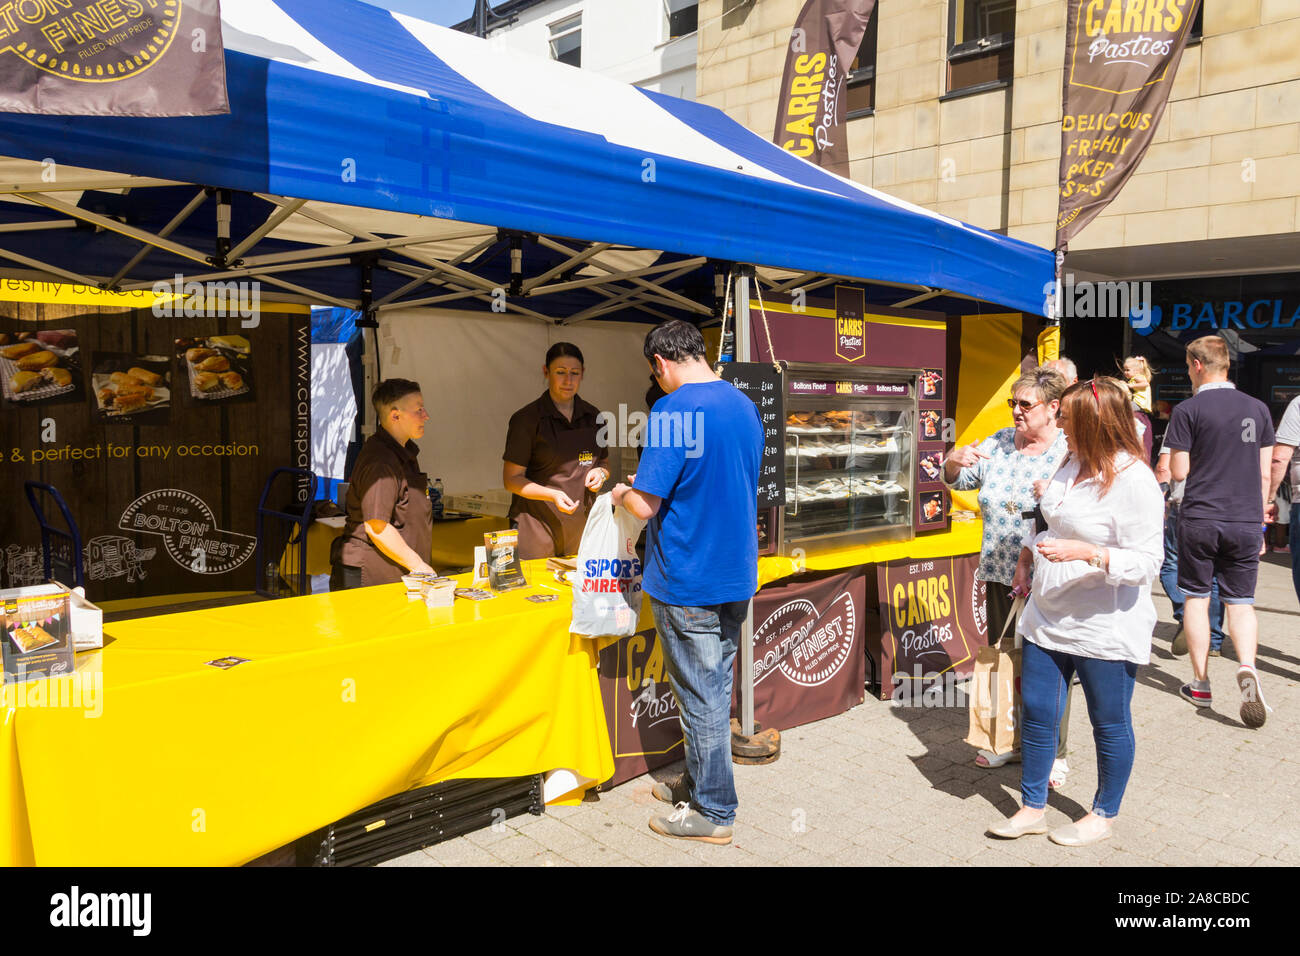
(1222,444)
(697,486)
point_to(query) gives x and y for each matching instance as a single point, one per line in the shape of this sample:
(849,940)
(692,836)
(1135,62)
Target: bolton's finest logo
(1119,43)
(807,647)
(95,42)
(979,606)
(189,531)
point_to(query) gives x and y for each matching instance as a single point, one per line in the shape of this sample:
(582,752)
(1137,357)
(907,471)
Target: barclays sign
(1211,316)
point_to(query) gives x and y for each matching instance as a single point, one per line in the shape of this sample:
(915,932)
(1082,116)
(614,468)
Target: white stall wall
(476,370)
(333,408)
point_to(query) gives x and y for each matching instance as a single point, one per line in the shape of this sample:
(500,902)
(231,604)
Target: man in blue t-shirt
(1222,443)
(697,486)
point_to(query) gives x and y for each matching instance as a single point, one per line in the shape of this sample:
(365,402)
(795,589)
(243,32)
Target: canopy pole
(741,325)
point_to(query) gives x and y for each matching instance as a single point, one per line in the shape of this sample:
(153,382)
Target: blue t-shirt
(1222,430)
(704,445)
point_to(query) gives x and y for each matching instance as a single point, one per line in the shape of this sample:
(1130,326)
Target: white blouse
(1077,609)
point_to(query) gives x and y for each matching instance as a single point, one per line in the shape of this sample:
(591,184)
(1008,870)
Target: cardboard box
(495,503)
(36,632)
(87,620)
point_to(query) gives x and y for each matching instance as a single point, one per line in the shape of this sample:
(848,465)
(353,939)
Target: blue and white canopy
(356,130)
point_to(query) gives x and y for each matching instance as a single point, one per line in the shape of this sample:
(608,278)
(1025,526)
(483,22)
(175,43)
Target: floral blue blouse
(1005,480)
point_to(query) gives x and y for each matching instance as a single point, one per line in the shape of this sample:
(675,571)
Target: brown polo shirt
(558,453)
(386,485)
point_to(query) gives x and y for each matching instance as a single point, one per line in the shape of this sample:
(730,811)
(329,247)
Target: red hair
(1101,426)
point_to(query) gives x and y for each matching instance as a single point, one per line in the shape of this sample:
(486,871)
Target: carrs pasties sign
(112,57)
(1121,57)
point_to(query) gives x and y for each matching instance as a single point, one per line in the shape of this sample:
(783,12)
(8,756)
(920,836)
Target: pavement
(886,785)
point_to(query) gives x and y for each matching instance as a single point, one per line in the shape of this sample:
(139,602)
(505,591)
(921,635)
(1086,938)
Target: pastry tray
(161,396)
(221,391)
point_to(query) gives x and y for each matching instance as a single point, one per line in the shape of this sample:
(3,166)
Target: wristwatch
(1097,561)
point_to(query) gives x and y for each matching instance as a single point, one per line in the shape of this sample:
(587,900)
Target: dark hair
(1101,426)
(676,341)
(564,350)
(391,391)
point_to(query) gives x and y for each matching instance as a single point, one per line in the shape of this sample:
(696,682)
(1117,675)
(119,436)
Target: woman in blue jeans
(1089,611)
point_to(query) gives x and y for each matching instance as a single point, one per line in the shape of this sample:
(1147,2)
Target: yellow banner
(61,293)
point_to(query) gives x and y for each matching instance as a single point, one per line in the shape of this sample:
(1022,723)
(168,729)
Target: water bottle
(435,498)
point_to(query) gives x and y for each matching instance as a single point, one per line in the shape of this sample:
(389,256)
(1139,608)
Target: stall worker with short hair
(389,529)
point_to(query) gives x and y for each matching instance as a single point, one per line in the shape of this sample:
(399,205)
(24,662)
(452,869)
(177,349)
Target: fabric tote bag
(995,692)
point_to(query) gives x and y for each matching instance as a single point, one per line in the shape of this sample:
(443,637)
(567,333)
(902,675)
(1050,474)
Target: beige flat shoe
(1069,835)
(1009,830)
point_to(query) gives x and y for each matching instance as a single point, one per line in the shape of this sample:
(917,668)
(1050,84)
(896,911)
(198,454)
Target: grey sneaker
(685,824)
(1254,711)
(1179,645)
(672,791)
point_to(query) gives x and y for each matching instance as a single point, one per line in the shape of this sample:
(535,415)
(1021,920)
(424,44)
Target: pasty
(32,636)
(37,360)
(124,378)
(233,381)
(19,350)
(206,381)
(198,355)
(127,391)
(129,403)
(214,363)
(58,376)
(144,376)
(22,381)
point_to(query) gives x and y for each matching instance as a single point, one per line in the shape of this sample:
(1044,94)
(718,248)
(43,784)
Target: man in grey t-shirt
(1284,456)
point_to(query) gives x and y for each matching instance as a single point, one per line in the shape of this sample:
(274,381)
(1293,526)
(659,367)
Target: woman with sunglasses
(1004,467)
(1090,610)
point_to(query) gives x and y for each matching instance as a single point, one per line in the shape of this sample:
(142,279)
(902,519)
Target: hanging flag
(112,57)
(1121,57)
(810,108)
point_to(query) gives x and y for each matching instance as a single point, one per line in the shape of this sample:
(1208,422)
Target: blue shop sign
(1239,314)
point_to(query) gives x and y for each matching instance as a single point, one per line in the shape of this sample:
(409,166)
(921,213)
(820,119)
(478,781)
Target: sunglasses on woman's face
(1024,404)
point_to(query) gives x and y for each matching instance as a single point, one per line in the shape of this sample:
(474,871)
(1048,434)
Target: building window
(1194,35)
(860,85)
(683,17)
(982,43)
(566,40)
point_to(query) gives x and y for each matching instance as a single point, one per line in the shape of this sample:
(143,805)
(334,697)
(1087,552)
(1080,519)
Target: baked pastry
(206,381)
(144,391)
(144,376)
(106,396)
(129,403)
(19,350)
(57,376)
(232,380)
(35,361)
(31,636)
(214,363)
(22,381)
(4,338)
(124,378)
(198,355)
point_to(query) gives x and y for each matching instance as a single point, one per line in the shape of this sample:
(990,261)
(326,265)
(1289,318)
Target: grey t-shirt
(1288,433)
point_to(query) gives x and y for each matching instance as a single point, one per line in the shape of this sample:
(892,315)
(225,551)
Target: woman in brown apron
(552,463)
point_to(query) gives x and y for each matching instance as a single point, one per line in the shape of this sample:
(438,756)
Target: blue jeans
(700,650)
(1108,689)
(1169,581)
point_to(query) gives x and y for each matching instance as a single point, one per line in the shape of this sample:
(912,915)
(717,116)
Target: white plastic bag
(607,586)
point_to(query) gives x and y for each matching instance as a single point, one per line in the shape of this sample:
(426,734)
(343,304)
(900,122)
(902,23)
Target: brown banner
(161,460)
(641,713)
(932,622)
(810,109)
(112,58)
(808,648)
(1121,57)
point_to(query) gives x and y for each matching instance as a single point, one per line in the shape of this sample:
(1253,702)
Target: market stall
(374,162)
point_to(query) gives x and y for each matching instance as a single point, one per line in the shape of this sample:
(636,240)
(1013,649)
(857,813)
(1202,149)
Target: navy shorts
(1227,550)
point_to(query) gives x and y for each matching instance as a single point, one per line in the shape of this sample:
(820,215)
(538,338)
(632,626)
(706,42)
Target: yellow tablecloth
(346,699)
(453,544)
